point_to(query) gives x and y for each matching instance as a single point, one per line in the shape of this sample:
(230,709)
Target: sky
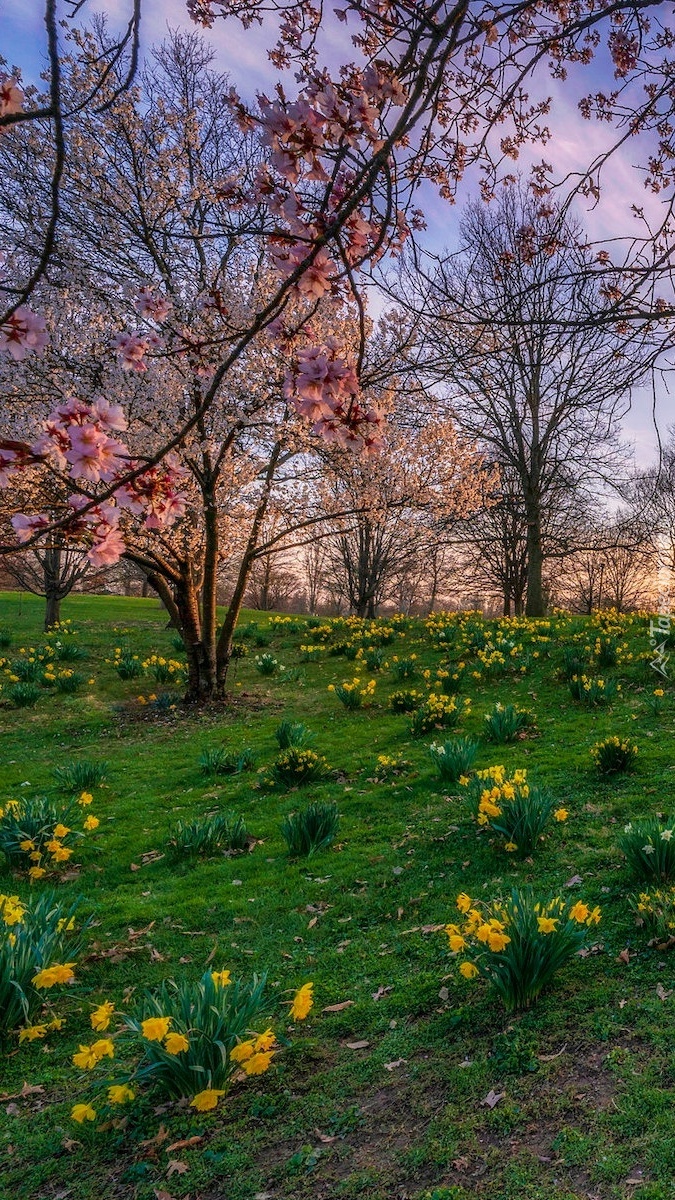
(243,55)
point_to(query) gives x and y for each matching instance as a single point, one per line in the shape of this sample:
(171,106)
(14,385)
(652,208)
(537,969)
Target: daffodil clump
(39,835)
(655,911)
(506,722)
(654,701)
(165,670)
(267,664)
(512,808)
(593,690)
(297,766)
(127,664)
(389,765)
(439,711)
(37,940)
(309,653)
(351,693)
(184,1040)
(649,849)
(405,700)
(404,668)
(454,758)
(613,755)
(518,945)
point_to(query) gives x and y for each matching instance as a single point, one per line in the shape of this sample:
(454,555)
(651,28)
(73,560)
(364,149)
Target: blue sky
(243,55)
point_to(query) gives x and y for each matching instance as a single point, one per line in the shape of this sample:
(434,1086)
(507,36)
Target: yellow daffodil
(302,1002)
(83,1112)
(468,969)
(155,1029)
(176,1043)
(206,1100)
(100,1018)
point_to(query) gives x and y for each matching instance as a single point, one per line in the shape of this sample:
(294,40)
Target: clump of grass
(505,722)
(24,695)
(293,733)
(312,830)
(215,833)
(218,761)
(295,766)
(454,758)
(5,638)
(614,755)
(649,849)
(80,775)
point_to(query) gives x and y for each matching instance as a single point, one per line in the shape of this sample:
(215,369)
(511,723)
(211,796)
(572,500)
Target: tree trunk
(224,646)
(507,604)
(51,568)
(535,605)
(52,610)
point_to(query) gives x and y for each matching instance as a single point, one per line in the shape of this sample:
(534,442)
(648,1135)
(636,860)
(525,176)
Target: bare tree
(516,333)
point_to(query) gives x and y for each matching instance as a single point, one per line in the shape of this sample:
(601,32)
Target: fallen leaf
(184,1142)
(662,993)
(393,1065)
(575,879)
(136,933)
(551,1057)
(381,991)
(70,1144)
(493,1098)
(624,956)
(443,994)
(312,923)
(176,1167)
(160,1194)
(356,1045)
(28,1089)
(162,1135)
(338,1007)
(324,1137)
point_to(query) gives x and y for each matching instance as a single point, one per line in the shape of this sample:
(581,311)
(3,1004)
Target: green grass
(587,1076)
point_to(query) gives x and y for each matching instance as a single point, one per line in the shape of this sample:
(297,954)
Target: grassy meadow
(418,1085)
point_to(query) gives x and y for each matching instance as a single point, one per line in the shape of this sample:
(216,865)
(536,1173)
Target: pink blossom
(23,333)
(92,454)
(25,526)
(150,305)
(107,549)
(109,416)
(11,96)
(132,348)
(8,462)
